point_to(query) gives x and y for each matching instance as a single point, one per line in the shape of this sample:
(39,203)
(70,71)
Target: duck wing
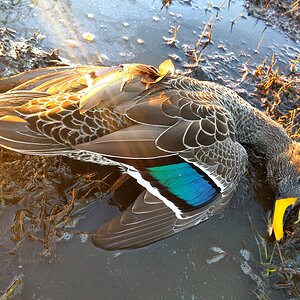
(171,135)
(148,220)
(53,80)
(48,111)
(190,165)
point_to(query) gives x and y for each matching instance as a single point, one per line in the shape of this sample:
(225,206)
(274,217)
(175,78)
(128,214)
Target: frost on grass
(260,290)
(245,254)
(216,258)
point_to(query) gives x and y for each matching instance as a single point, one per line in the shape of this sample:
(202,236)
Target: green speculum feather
(185,182)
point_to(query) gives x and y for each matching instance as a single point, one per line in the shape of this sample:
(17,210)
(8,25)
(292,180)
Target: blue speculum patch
(186,183)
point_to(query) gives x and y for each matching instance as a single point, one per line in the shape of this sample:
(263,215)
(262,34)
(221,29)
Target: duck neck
(284,170)
(265,135)
(268,139)
(254,128)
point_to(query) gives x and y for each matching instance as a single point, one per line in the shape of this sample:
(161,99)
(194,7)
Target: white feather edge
(154,191)
(212,177)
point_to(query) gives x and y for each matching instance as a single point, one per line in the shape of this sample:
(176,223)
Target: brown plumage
(179,137)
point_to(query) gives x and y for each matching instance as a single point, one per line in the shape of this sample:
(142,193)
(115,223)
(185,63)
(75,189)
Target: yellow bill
(280,207)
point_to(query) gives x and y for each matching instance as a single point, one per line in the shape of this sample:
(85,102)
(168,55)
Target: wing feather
(135,142)
(148,220)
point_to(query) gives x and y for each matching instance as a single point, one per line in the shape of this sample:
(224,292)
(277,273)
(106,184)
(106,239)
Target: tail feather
(53,109)
(14,99)
(9,83)
(15,134)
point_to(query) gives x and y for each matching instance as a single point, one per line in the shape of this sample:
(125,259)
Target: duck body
(180,138)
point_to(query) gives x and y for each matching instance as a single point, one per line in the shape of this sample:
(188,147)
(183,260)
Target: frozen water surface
(175,268)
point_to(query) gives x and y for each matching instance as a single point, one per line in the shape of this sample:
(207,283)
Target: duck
(183,140)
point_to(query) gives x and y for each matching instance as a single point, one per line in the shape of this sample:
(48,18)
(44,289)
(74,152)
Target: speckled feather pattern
(136,116)
(66,125)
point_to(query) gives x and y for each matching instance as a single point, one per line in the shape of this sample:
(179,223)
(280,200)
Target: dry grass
(279,261)
(284,15)
(280,93)
(43,193)
(165,4)
(289,7)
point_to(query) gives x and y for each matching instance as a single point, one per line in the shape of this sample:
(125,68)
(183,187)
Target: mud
(283,15)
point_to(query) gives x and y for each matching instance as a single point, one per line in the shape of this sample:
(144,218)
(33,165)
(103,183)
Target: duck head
(284,176)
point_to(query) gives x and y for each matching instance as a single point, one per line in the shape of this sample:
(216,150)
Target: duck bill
(280,208)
